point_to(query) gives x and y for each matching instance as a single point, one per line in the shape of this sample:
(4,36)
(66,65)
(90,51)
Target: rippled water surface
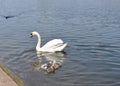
(90,27)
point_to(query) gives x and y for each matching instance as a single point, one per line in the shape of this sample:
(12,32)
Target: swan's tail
(62,47)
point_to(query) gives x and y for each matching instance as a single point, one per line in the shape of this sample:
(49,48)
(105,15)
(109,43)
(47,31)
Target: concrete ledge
(8,78)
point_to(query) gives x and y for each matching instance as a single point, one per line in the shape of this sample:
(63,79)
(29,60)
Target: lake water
(90,27)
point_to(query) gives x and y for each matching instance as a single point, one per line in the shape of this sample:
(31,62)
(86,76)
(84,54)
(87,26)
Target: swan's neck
(39,42)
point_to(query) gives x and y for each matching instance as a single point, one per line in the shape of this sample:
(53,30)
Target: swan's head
(33,33)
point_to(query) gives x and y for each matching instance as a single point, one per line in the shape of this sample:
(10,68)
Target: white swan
(51,46)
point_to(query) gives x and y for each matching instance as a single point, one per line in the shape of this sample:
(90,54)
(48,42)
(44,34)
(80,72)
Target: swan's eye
(31,35)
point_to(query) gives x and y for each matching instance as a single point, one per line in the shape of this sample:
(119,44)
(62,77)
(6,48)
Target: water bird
(57,65)
(15,15)
(45,66)
(7,17)
(50,67)
(51,46)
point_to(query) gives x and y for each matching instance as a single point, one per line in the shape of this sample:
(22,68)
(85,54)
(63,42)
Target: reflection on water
(90,27)
(53,61)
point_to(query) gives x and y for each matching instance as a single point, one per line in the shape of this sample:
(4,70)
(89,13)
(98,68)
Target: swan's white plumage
(53,43)
(51,46)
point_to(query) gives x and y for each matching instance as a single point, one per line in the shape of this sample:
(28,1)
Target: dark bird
(7,17)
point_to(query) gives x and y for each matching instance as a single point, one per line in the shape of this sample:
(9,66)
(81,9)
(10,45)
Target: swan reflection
(49,62)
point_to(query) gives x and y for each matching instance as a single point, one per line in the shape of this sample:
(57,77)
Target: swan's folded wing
(53,43)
